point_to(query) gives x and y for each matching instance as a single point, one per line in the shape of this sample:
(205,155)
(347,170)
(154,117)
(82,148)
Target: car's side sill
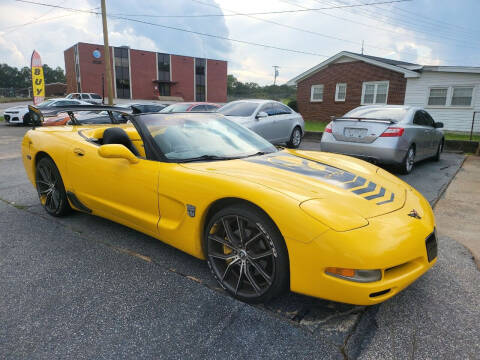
(77,203)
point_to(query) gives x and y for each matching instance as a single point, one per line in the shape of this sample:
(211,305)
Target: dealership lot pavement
(83,287)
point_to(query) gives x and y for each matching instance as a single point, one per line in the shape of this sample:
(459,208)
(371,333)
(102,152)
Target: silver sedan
(270,119)
(388,134)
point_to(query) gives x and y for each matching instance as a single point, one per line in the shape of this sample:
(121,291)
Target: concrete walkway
(458,211)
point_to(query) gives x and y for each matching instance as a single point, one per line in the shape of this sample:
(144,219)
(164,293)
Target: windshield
(45,104)
(176,108)
(390,113)
(238,108)
(187,138)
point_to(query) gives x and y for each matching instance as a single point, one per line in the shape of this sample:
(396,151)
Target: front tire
(408,162)
(50,188)
(439,151)
(26,119)
(246,253)
(295,138)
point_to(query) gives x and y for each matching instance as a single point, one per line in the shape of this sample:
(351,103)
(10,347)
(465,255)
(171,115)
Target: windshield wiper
(259,153)
(207,157)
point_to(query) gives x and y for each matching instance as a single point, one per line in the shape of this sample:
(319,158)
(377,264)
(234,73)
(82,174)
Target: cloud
(386,31)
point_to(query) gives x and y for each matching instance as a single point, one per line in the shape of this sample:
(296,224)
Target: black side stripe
(359,181)
(371,186)
(380,194)
(387,201)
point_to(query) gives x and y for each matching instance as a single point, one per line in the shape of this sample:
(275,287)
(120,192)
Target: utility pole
(362,46)
(276,67)
(108,65)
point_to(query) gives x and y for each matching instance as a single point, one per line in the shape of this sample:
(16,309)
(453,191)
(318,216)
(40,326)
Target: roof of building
(409,70)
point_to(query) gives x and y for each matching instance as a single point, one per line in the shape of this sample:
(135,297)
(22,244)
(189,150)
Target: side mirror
(117,151)
(261,114)
(438,125)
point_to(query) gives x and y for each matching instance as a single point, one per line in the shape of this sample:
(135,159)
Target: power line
(412,25)
(267,12)
(186,30)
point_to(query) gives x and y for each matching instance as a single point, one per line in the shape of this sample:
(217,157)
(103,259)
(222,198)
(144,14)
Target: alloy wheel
(48,188)
(410,159)
(241,255)
(296,137)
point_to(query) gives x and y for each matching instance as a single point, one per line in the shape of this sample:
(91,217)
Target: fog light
(354,274)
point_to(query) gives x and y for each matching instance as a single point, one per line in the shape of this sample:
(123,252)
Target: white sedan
(270,119)
(19,114)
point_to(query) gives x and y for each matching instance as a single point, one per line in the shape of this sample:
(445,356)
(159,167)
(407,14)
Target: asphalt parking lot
(84,287)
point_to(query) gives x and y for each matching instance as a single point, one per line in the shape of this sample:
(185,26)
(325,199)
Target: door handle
(79,152)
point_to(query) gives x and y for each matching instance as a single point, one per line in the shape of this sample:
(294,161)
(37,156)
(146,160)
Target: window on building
(200,83)
(316,93)
(122,72)
(163,67)
(341,92)
(375,92)
(462,96)
(438,96)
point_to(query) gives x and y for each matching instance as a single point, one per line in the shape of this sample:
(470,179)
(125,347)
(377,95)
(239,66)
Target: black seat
(119,136)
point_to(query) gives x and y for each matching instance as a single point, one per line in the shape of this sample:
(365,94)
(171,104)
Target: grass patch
(1,118)
(456,136)
(315,126)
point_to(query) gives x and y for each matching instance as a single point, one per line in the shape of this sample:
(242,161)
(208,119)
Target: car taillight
(393,132)
(328,128)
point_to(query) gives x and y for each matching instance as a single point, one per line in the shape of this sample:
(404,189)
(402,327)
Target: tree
(238,89)
(12,77)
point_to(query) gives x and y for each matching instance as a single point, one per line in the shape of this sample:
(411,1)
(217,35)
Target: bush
(293,105)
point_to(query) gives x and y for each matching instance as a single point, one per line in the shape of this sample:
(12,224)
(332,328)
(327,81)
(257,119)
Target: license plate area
(356,133)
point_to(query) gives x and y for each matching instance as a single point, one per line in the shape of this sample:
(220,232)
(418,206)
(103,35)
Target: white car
(272,120)
(19,114)
(88,97)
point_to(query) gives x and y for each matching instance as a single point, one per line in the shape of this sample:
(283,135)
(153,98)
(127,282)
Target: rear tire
(408,162)
(295,138)
(50,188)
(246,253)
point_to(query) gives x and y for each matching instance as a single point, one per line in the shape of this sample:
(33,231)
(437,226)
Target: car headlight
(363,276)
(334,215)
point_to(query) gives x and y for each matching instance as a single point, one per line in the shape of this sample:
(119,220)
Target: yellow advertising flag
(38,81)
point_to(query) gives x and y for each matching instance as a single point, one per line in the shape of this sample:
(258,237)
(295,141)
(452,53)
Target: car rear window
(390,113)
(176,108)
(241,108)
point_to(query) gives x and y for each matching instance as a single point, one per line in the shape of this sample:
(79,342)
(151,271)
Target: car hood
(347,183)
(17,108)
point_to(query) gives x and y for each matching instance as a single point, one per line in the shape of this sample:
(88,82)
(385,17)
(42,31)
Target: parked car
(20,115)
(142,108)
(270,119)
(88,97)
(265,219)
(388,134)
(191,107)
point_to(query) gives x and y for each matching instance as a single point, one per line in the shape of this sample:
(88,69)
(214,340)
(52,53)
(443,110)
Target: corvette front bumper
(394,243)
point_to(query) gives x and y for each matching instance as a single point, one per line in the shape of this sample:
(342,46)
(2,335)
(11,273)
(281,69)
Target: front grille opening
(379,293)
(431,245)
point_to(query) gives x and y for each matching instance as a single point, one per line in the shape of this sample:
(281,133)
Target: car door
(284,121)
(115,188)
(265,126)
(421,136)
(433,138)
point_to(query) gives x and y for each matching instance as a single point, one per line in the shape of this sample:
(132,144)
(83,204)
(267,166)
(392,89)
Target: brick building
(139,74)
(348,80)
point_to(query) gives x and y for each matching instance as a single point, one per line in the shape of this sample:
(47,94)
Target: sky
(429,32)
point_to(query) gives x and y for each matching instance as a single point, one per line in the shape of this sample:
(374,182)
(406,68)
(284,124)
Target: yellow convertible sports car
(266,220)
